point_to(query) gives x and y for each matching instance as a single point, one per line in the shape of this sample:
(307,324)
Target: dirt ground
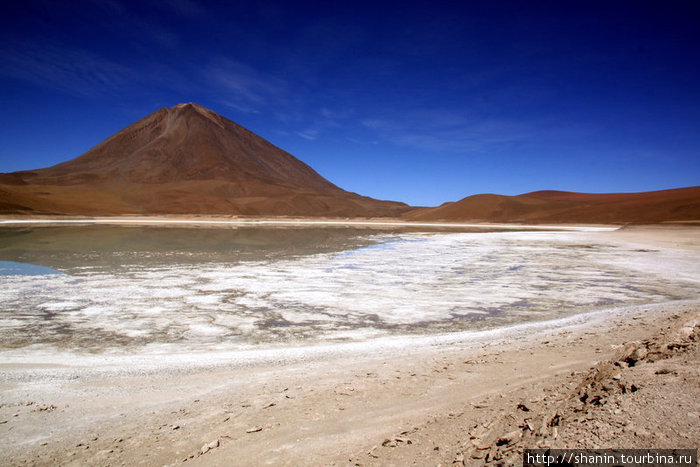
(627,381)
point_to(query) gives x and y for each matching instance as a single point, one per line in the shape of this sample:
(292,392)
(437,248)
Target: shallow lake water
(100,288)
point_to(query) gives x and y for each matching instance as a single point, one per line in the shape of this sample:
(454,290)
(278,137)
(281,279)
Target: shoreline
(54,362)
(302,222)
(320,410)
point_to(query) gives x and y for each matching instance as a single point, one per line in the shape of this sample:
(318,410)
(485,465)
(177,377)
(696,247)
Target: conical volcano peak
(192,108)
(187,159)
(190,142)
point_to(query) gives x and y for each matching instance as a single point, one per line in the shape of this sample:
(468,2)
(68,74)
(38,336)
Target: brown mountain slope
(180,160)
(682,204)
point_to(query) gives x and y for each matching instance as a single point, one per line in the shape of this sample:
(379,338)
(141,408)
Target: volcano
(184,160)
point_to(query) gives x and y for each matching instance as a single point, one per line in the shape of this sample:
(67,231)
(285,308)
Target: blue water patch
(12,268)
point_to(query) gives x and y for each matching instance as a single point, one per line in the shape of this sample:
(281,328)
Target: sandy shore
(481,398)
(226,221)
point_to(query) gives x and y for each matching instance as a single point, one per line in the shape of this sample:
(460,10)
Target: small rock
(640,354)
(629,353)
(509,438)
(388,443)
(208,447)
(480,445)
(255,429)
(686,332)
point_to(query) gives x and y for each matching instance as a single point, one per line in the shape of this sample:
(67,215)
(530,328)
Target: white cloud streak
(73,71)
(309,134)
(445,130)
(245,87)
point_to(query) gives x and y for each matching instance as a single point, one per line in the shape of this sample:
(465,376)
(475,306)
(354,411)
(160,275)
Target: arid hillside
(682,204)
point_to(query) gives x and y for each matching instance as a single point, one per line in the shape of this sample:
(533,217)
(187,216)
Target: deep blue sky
(422,102)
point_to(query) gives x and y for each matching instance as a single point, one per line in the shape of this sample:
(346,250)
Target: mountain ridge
(678,204)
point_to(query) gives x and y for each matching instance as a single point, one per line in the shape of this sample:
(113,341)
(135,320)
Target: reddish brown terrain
(184,160)
(189,160)
(682,204)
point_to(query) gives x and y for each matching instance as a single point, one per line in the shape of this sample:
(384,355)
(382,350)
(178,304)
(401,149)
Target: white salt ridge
(164,357)
(409,283)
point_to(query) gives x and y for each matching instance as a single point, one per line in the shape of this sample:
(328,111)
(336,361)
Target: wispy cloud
(321,121)
(361,141)
(445,130)
(334,117)
(378,124)
(251,90)
(240,107)
(138,28)
(74,71)
(245,86)
(309,134)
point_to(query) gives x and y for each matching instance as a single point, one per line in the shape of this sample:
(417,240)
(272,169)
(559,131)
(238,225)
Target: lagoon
(158,289)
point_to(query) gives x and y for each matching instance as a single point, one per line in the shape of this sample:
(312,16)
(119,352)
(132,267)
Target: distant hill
(184,160)
(680,204)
